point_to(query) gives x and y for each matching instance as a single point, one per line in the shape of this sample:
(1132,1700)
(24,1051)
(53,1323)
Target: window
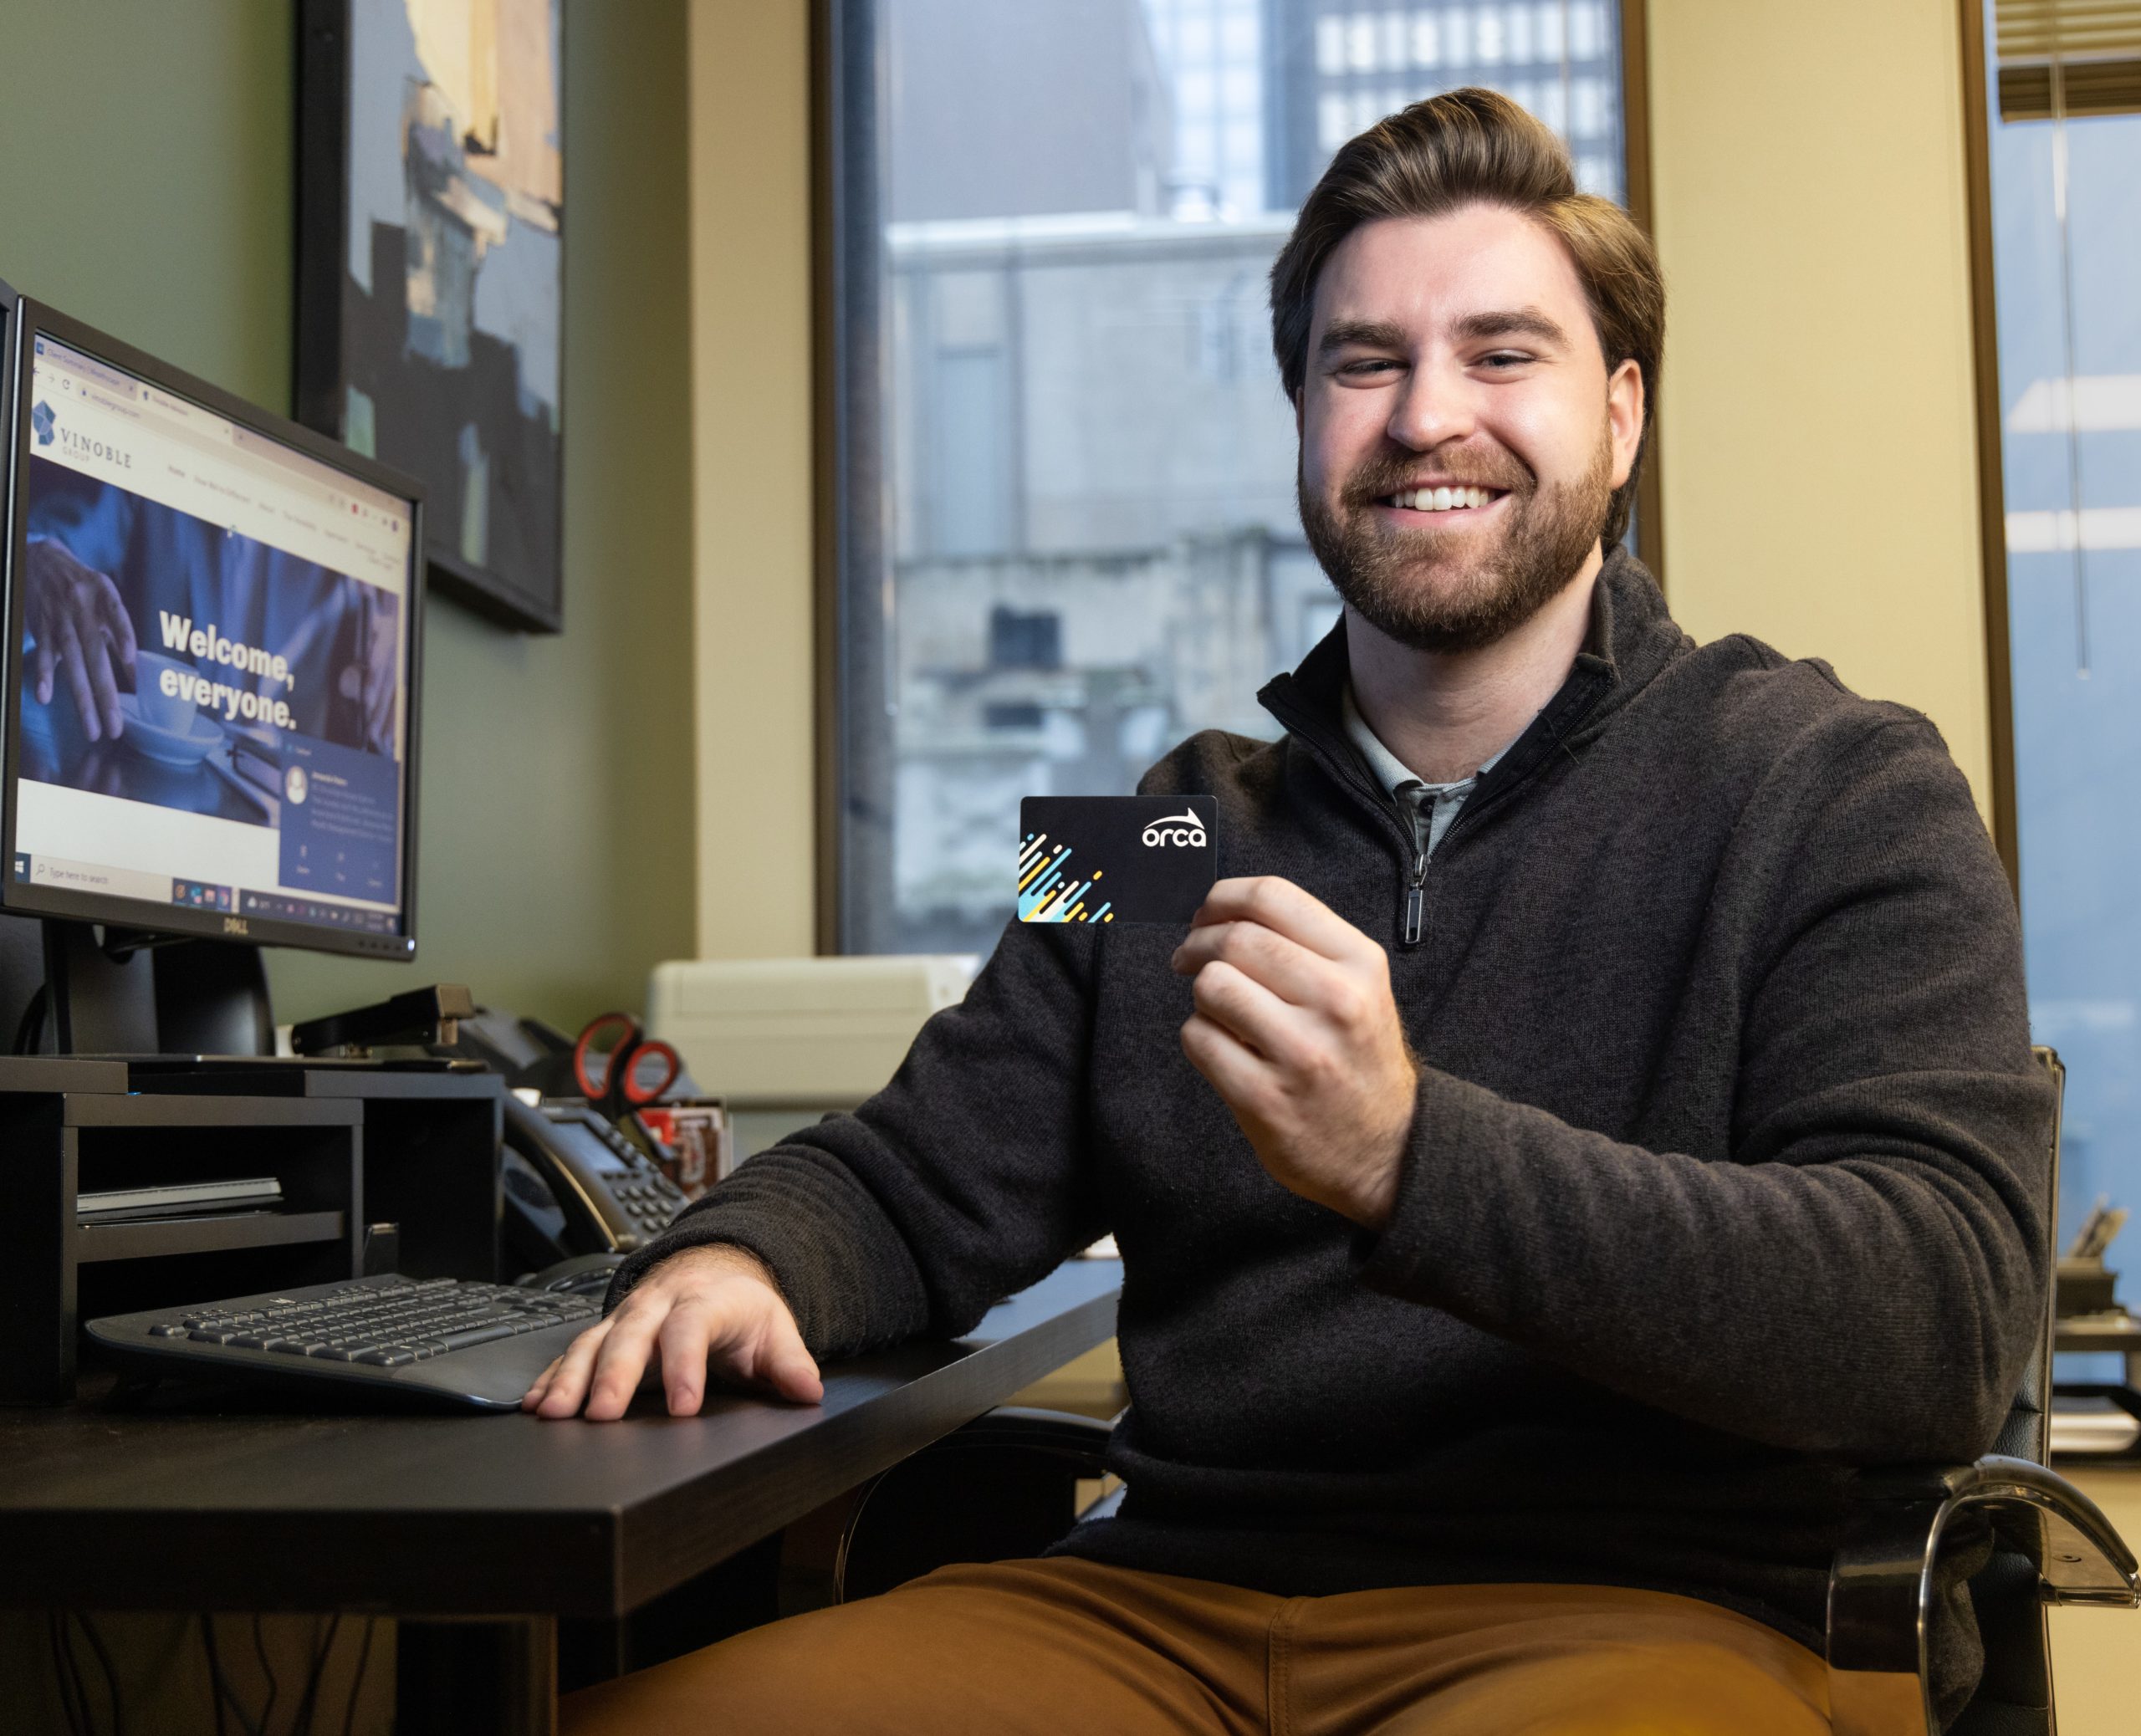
(1064,473)
(2064,155)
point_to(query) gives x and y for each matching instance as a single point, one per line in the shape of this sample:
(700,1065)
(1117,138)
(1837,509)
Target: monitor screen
(210,671)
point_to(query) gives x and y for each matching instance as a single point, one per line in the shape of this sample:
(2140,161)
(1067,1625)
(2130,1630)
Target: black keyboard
(442,1339)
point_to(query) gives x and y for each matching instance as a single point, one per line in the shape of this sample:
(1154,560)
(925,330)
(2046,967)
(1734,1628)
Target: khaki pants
(1063,1644)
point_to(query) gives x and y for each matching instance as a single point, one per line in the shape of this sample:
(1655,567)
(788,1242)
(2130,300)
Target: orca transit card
(1116,859)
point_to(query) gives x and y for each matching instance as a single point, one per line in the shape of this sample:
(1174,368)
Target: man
(1591,1116)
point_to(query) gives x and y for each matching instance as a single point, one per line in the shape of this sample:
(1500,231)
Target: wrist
(1376,1198)
(713,1259)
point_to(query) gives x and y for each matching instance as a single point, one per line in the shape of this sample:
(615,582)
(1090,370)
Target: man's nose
(1434,405)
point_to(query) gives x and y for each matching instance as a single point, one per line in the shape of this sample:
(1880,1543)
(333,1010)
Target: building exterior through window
(1090,545)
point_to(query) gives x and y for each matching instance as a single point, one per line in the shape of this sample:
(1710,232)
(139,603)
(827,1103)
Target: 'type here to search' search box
(93,877)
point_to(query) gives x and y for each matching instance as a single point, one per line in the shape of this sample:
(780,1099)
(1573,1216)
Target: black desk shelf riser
(349,1147)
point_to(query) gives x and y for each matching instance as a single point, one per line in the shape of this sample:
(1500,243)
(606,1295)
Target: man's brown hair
(1477,147)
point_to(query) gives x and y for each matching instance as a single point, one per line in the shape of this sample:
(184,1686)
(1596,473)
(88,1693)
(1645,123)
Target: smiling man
(1591,1119)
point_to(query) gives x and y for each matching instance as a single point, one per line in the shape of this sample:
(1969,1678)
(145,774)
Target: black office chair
(1002,1487)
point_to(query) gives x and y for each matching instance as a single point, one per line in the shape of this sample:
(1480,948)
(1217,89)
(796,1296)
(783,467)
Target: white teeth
(1440,500)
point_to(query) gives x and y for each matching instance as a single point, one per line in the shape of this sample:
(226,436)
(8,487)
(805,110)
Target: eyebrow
(1525,322)
(1510,322)
(1361,333)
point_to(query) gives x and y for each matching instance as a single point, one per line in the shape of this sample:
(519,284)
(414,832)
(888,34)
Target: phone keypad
(649,1197)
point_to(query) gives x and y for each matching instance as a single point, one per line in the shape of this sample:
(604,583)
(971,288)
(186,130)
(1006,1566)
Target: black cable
(357,1679)
(30,1032)
(67,1702)
(215,1671)
(110,1676)
(267,1669)
(219,1685)
(301,1719)
(74,1676)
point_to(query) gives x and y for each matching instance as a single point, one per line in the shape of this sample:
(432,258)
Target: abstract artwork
(431,273)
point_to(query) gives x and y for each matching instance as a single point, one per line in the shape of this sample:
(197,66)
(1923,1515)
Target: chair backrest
(2013,1691)
(2026,1433)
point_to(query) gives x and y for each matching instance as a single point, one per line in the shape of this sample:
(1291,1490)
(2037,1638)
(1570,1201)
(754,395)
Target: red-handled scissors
(619,1068)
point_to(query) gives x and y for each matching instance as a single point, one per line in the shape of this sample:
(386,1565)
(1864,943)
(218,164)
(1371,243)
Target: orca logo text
(1184,829)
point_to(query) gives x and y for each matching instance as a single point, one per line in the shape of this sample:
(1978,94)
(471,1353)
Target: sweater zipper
(1413,913)
(1416,900)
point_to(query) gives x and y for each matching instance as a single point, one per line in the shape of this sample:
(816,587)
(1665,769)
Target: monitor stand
(121,991)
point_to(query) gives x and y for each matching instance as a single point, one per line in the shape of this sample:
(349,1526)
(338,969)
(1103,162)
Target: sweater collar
(1631,638)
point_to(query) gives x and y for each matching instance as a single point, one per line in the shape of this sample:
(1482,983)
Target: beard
(1419,586)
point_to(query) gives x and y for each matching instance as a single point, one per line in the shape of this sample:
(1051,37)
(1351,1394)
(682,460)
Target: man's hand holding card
(1297,1031)
(1295,1025)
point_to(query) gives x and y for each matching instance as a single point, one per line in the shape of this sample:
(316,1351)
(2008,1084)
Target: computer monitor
(214,623)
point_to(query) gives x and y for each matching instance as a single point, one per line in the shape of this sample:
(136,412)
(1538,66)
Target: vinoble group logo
(42,419)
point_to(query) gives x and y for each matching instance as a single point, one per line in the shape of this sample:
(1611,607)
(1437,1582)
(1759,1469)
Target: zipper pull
(1416,903)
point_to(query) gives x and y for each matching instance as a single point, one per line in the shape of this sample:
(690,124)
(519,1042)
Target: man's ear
(1625,397)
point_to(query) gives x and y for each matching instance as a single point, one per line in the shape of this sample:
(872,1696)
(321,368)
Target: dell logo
(1184,829)
(234,925)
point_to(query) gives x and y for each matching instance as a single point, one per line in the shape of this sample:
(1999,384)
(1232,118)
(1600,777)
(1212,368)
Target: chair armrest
(1064,1433)
(1882,1581)
(1001,1486)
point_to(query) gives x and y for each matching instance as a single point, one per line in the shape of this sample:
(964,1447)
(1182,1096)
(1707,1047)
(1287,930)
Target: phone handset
(605,1194)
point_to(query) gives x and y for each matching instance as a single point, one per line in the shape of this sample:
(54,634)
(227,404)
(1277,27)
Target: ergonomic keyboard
(445,1340)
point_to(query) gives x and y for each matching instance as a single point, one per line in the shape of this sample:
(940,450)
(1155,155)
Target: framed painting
(430,273)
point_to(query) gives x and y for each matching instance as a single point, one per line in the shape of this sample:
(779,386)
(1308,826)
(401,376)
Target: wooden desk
(170,1505)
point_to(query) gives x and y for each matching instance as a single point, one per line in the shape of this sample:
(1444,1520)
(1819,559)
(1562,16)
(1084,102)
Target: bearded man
(1592,1116)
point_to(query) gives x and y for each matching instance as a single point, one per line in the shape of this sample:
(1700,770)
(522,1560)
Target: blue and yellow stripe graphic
(1047,893)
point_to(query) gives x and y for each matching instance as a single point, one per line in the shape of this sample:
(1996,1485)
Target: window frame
(1991,472)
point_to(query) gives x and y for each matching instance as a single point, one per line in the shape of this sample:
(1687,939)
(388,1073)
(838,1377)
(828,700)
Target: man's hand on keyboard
(707,1313)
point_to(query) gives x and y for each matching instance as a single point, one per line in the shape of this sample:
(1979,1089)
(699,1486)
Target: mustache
(1383,476)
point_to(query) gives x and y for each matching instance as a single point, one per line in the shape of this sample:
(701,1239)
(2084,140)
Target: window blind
(2071,57)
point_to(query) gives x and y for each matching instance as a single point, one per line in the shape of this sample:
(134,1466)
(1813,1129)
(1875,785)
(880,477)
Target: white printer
(786,1040)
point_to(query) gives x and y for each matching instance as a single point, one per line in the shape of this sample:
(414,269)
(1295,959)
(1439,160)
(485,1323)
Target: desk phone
(574,1184)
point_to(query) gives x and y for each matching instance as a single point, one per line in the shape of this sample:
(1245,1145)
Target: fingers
(105,685)
(559,1389)
(44,672)
(697,1326)
(683,1341)
(540,1385)
(1279,1031)
(789,1368)
(588,1364)
(111,610)
(1237,1072)
(1286,909)
(762,1349)
(1284,966)
(78,678)
(620,1362)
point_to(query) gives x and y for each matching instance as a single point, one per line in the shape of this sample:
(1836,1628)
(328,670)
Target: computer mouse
(584,1274)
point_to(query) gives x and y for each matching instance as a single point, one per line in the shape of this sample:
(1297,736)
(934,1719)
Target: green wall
(151,163)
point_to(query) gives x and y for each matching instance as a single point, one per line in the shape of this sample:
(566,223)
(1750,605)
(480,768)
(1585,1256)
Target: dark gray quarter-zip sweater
(1723,1179)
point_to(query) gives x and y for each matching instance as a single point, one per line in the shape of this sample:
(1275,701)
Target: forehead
(1420,273)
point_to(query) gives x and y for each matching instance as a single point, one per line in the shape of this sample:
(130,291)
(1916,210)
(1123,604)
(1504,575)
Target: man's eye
(1505,358)
(1367,365)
